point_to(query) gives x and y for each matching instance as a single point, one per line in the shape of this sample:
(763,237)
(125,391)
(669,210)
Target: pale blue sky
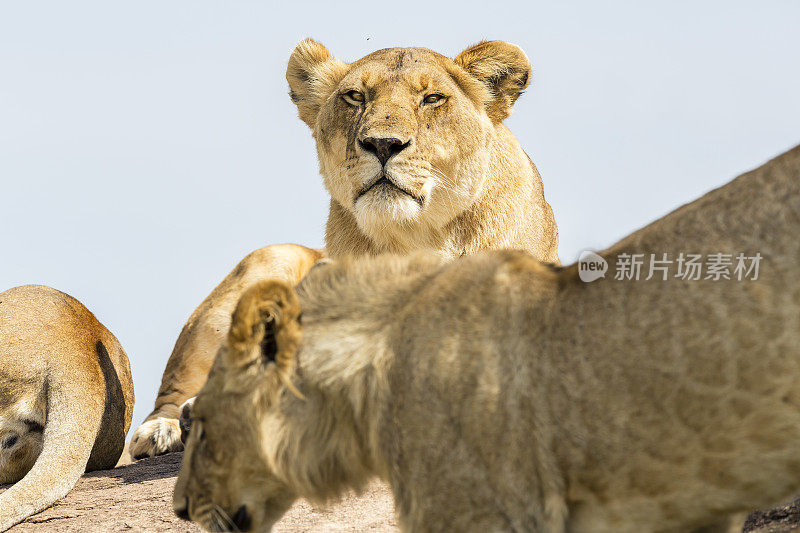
(145,147)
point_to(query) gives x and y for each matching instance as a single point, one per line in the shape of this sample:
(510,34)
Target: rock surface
(138,497)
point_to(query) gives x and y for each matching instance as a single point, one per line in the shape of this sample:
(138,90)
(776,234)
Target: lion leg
(186,371)
(201,337)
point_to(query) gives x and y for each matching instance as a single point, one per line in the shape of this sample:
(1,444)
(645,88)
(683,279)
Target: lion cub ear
(503,68)
(312,75)
(266,325)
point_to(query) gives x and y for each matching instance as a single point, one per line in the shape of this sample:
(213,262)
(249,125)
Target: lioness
(66,398)
(496,393)
(414,154)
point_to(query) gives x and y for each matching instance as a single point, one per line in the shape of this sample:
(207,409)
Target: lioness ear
(503,68)
(267,317)
(312,75)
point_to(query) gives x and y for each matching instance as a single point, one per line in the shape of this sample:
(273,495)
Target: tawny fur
(66,398)
(474,187)
(496,393)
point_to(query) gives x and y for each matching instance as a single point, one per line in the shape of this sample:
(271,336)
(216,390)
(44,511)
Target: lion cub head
(22,419)
(405,136)
(227,481)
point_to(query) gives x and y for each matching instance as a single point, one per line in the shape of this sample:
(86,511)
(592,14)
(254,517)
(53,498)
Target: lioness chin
(413,151)
(496,393)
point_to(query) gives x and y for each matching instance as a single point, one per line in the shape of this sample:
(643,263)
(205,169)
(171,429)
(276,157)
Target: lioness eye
(354,97)
(432,98)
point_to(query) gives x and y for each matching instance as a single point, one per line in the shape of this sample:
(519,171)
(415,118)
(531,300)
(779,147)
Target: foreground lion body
(496,393)
(66,398)
(415,156)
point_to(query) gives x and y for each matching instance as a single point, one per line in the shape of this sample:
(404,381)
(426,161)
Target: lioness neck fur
(500,394)
(414,153)
(66,398)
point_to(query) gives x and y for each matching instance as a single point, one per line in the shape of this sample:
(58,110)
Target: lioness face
(399,142)
(227,481)
(22,419)
(402,133)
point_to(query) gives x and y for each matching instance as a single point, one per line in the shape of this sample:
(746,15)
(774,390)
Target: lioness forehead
(399,58)
(392,63)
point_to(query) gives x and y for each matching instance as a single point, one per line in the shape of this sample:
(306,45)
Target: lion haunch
(66,398)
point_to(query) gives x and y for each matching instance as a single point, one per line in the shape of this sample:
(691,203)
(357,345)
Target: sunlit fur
(496,393)
(474,186)
(66,398)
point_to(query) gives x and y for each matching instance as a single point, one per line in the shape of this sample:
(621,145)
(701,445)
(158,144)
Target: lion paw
(156,437)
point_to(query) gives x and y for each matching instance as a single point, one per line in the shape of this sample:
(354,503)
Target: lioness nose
(383,147)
